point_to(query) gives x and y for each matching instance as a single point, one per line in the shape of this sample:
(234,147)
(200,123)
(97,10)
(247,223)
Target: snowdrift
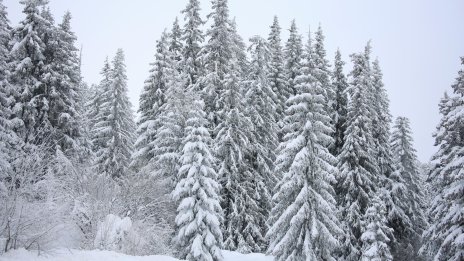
(99,255)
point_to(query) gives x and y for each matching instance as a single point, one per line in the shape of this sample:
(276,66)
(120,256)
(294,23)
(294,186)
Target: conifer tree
(175,44)
(192,37)
(30,109)
(239,48)
(376,233)
(232,142)
(407,233)
(444,238)
(94,106)
(358,177)
(444,138)
(340,104)
(293,53)
(322,72)
(276,74)
(65,86)
(303,220)
(8,139)
(152,99)
(381,122)
(167,146)
(261,109)
(115,127)
(199,213)
(5,87)
(216,58)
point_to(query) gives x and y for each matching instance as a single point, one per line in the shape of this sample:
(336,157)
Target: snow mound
(98,255)
(112,232)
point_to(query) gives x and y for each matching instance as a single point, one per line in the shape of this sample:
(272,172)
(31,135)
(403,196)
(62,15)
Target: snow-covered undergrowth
(98,255)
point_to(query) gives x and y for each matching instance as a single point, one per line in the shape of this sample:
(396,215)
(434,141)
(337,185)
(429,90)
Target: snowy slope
(97,255)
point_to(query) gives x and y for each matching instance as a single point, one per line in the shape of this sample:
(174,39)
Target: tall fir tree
(167,146)
(382,120)
(322,71)
(232,143)
(175,41)
(340,85)
(409,234)
(293,53)
(10,143)
(6,97)
(30,109)
(199,213)
(192,37)
(276,74)
(94,106)
(152,99)
(216,57)
(115,127)
(358,177)
(239,48)
(65,85)
(303,220)
(261,109)
(443,240)
(444,140)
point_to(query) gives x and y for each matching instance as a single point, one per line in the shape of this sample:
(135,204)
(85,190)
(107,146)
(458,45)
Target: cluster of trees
(258,148)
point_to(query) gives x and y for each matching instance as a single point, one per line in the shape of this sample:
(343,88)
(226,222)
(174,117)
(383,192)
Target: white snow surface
(99,255)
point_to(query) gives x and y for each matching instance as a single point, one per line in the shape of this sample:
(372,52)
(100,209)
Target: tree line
(259,147)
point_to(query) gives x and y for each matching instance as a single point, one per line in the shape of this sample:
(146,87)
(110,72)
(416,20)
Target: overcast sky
(418,42)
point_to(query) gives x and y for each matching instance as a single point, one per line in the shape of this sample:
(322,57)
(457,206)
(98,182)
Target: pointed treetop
(368,50)
(47,14)
(66,22)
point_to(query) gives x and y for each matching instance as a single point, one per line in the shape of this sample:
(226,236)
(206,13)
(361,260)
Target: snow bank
(77,255)
(99,255)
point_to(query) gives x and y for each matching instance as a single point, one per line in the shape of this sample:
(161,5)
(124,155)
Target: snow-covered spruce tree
(396,195)
(5,68)
(239,48)
(293,52)
(261,109)
(6,97)
(358,177)
(304,225)
(115,127)
(232,144)
(340,86)
(94,106)
(376,233)
(175,44)
(408,237)
(322,71)
(64,87)
(152,99)
(192,36)
(444,140)
(381,121)
(30,109)
(276,73)
(216,57)
(199,235)
(9,141)
(444,238)
(167,145)
(166,148)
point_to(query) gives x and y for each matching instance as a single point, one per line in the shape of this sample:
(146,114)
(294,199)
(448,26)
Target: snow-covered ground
(97,255)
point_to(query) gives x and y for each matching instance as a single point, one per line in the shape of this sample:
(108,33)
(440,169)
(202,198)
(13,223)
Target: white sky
(418,42)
